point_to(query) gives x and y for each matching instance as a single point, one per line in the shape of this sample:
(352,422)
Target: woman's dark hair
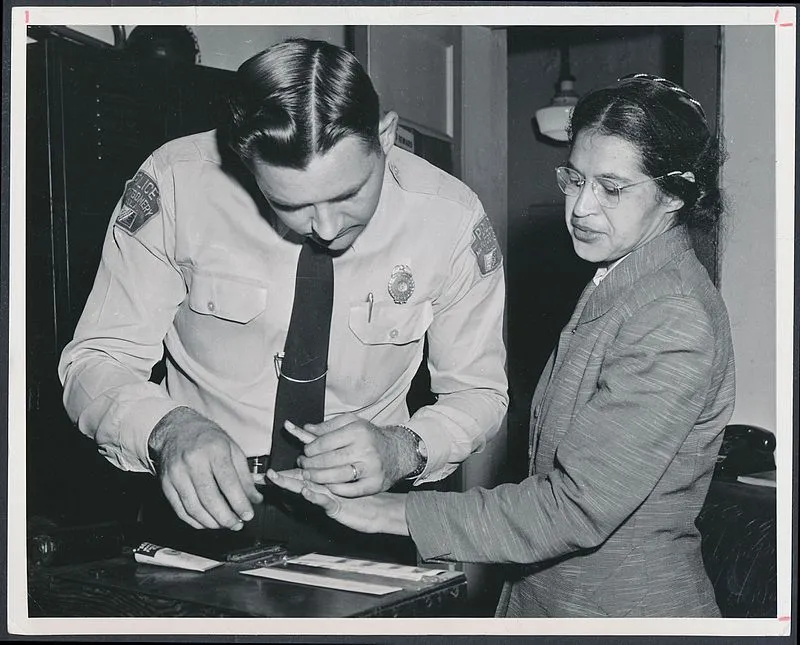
(669,129)
(297,99)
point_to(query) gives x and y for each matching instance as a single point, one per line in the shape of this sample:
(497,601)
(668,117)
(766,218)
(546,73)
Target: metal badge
(401,284)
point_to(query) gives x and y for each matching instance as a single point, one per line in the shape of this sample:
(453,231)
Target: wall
(228,46)
(532,77)
(747,92)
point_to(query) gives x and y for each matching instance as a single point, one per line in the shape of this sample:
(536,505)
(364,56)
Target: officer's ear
(387,130)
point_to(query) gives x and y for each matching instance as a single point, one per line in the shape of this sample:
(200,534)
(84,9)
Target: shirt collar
(602,272)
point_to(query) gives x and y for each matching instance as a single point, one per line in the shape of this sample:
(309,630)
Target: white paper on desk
(298,577)
(370,567)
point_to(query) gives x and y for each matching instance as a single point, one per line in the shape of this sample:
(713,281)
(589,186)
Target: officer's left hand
(380,456)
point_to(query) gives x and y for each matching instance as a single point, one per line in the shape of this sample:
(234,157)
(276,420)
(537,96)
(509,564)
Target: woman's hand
(382,513)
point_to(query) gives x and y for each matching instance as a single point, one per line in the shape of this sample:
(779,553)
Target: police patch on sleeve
(485,246)
(140,202)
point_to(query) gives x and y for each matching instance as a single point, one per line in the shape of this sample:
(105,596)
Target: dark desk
(121,587)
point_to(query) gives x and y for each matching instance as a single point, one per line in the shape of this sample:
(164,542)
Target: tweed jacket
(626,423)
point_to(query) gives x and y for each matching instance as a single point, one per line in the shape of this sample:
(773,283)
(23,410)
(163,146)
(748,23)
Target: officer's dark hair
(298,99)
(669,129)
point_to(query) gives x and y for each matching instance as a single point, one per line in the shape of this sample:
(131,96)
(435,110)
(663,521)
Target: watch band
(422,460)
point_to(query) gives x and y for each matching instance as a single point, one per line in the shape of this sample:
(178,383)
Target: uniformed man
(199,266)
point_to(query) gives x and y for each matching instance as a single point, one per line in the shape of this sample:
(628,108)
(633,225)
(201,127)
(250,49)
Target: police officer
(199,265)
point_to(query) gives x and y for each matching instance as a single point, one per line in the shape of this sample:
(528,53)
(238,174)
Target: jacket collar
(643,261)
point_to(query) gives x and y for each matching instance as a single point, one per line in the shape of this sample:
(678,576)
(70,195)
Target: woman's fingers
(293,481)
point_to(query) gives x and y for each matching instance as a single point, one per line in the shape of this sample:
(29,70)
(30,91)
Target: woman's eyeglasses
(571,182)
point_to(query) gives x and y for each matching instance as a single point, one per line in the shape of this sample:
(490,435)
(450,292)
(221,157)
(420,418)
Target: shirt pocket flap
(389,323)
(226,298)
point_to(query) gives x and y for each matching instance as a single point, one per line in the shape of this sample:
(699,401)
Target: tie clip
(279,361)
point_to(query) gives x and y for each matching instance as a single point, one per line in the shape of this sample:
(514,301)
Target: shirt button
(393,334)
(211,306)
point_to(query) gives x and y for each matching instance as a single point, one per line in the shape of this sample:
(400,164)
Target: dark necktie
(301,381)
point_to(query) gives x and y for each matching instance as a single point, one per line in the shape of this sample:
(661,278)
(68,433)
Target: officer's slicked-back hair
(298,99)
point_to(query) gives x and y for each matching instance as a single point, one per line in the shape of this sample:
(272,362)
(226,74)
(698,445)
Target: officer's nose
(327,222)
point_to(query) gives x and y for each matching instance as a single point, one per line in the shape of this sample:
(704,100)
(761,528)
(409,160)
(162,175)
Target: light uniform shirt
(191,265)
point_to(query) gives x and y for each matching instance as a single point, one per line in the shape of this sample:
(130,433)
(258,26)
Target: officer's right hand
(203,472)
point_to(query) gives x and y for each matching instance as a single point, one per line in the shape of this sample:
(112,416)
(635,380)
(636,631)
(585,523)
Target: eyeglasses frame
(618,189)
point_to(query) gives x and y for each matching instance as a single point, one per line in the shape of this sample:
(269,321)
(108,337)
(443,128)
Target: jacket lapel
(643,261)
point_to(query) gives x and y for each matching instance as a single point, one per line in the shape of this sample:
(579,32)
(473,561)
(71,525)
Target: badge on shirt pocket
(401,284)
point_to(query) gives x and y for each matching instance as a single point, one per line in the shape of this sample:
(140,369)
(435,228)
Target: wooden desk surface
(121,587)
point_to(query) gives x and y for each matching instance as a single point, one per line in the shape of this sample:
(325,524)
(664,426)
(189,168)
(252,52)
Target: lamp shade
(553,121)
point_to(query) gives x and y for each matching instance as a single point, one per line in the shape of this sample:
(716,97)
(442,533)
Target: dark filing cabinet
(94,113)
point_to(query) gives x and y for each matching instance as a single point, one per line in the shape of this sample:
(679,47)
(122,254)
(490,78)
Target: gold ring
(355,473)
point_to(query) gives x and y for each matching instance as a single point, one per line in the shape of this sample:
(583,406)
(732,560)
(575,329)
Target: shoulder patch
(485,247)
(141,202)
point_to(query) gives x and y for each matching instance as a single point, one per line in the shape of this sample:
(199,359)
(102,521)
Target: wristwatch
(420,456)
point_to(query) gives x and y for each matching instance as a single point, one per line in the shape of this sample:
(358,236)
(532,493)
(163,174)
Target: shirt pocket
(222,328)
(382,354)
(226,298)
(389,323)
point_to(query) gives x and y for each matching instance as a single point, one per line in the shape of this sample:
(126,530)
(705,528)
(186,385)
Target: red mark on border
(784,619)
(27,16)
(781,24)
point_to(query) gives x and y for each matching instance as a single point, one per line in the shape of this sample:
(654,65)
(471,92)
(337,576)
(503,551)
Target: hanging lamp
(553,120)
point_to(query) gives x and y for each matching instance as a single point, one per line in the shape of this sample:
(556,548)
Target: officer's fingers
(282,480)
(331,459)
(229,480)
(245,479)
(183,478)
(336,475)
(218,492)
(360,488)
(342,437)
(177,505)
(202,495)
(330,425)
(304,435)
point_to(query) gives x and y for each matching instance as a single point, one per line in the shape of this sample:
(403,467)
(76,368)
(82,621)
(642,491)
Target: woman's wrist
(393,513)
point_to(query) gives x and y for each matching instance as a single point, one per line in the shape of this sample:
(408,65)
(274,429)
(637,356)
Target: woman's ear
(387,130)
(671,202)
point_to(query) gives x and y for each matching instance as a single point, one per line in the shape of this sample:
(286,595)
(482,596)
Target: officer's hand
(383,513)
(203,473)
(352,456)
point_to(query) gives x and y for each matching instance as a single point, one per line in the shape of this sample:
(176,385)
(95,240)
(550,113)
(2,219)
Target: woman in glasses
(628,416)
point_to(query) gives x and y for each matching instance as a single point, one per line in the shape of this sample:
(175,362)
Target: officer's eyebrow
(339,198)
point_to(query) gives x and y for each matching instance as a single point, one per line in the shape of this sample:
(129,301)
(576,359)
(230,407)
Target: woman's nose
(585,202)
